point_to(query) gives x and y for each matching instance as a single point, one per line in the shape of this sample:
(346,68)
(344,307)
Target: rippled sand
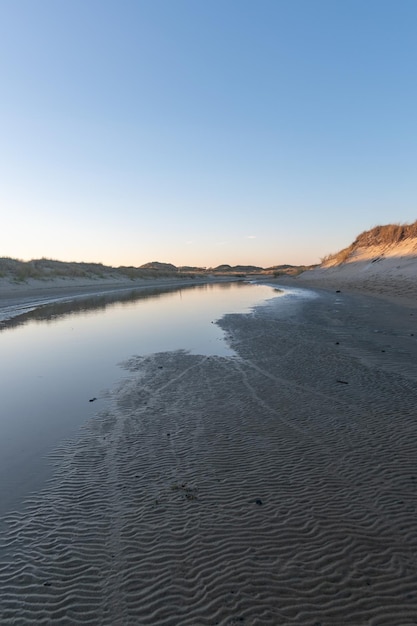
(275,487)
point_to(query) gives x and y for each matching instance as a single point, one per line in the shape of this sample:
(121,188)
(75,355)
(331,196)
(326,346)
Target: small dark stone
(337,290)
(92,399)
(259,501)
(337,343)
(168,434)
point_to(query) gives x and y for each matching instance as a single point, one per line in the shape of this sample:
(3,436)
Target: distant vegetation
(275,270)
(18,271)
(387,235)
(47,269)
(289,270)
(161,267)
(237,268)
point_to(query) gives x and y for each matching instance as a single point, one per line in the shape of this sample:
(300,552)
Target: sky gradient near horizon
(204,132)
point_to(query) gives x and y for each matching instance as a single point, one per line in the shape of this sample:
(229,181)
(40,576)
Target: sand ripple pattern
(256,490)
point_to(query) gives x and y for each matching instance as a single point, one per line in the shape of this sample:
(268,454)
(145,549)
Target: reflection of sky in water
(50,369)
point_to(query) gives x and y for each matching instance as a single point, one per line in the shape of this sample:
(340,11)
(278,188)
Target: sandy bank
(388,272)
(274,488)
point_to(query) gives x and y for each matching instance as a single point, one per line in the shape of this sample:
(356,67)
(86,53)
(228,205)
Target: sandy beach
(384,271)
(275,487)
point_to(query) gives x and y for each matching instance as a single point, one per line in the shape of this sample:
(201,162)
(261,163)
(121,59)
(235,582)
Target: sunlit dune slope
(382,261)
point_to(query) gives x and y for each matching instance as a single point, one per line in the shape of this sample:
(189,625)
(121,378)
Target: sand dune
(275,487)
(387,270)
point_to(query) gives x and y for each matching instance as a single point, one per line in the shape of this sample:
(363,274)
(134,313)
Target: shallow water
(57,358)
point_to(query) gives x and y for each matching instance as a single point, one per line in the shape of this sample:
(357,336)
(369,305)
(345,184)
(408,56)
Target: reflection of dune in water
(77,303)
(80,305)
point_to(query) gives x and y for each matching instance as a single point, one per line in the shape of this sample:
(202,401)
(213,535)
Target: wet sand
(275,487)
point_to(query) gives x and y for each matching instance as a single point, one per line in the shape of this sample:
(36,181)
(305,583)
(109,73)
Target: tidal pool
(55,359)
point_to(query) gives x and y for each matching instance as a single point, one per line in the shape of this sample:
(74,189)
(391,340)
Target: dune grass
(387,235)
(18,271)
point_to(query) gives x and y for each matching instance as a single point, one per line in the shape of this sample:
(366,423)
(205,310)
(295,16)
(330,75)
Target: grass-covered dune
(17,271)
(381,261)
(387,236)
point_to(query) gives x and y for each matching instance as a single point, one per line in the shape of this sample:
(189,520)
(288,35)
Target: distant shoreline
(16,299)
(386,280)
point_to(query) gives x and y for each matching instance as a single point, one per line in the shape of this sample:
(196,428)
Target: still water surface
(55,359)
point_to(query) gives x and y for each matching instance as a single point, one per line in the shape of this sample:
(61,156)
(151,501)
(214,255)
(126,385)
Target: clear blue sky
(204,132)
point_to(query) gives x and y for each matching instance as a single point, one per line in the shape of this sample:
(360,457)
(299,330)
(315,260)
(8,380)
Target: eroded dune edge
(387,271)
(275,487)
